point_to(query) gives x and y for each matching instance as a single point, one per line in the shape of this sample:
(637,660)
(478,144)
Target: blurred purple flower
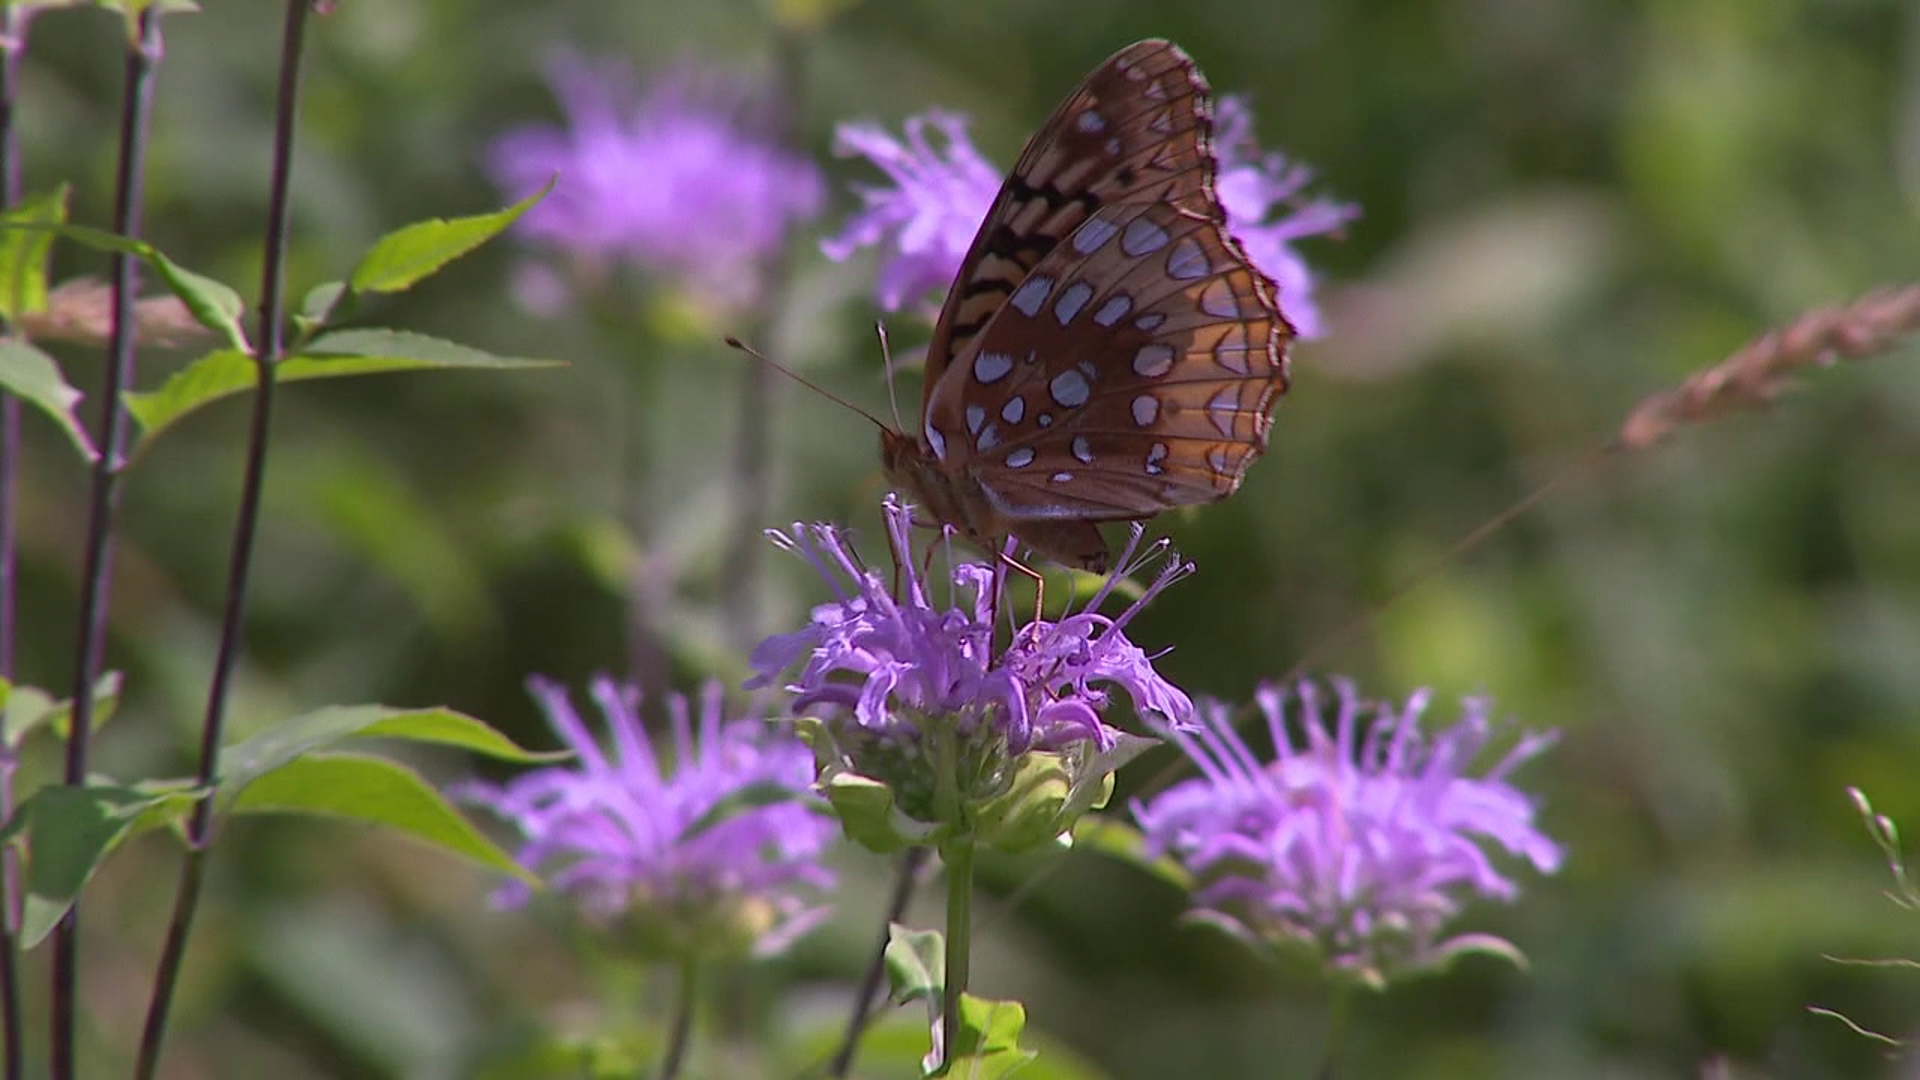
(895,673)
(720,849)
(924,222)
(1362,844)
(1265,211)
(675,180)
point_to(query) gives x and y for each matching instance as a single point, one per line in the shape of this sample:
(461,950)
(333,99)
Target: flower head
(1361,844)
(924,223)
(911,694)
(674,180)
(718,851)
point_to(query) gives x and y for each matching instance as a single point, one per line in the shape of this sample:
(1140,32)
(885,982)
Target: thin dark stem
(759,398)
(13,47)
(682,1033)
(863,1003)
(136,121)
(267,356)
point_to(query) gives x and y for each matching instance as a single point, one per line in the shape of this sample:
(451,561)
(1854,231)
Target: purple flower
(674,181)
(1266,213)
(924,222)
(1363,844)
(719,850)
(908,689)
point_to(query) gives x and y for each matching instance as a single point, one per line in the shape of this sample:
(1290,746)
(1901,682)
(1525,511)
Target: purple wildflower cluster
(675,180)
(1363,844)
(901,678)
(924,221)
(719,851)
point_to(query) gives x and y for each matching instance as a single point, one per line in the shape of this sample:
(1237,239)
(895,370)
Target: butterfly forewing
(1134,130)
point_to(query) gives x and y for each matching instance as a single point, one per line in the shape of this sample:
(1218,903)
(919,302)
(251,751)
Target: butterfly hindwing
(1135,368)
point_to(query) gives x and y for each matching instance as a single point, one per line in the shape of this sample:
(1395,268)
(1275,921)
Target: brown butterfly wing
(1134,368)
(1134,130)
(1137,376)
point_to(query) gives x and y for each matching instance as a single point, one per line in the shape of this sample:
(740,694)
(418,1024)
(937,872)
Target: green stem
(958,855)
(682,1020)
(1339,1012)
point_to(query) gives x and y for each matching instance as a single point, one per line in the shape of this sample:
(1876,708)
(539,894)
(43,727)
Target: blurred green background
(1567,205)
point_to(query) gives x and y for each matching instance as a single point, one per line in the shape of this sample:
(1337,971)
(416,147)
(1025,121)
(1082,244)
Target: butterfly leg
(1039,584)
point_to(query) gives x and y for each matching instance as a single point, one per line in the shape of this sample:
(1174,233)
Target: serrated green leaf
(377,791)
(401,258)
(244,762)
(23,252)
(28,708)
(69,831)
(214,304)
(338,355)
(34,377)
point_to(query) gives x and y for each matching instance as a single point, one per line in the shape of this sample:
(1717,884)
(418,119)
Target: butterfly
(1107,351)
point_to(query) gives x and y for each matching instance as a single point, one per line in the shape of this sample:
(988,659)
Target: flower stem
(136,122)
(13,47)
(272,338)
(911,863)
(958,855)
(682,1020)
(1339,1012)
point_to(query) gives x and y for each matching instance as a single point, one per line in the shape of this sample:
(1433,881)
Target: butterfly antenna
(806,382)
(886,365)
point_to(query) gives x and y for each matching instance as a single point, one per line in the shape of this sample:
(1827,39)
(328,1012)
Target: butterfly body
(1107,351)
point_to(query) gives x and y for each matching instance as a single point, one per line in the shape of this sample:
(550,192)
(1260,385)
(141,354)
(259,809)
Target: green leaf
(213,304)
(34,377)
(1124,842)
(988,1046)
(25,708)
(360,787)
(916,965)
(23,252)
(70,831)
(319,305)
(244,762)
(401,258)
(348,352)
(403,350)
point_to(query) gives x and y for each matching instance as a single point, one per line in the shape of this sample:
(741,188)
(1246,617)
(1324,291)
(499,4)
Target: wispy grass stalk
(1759,371)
